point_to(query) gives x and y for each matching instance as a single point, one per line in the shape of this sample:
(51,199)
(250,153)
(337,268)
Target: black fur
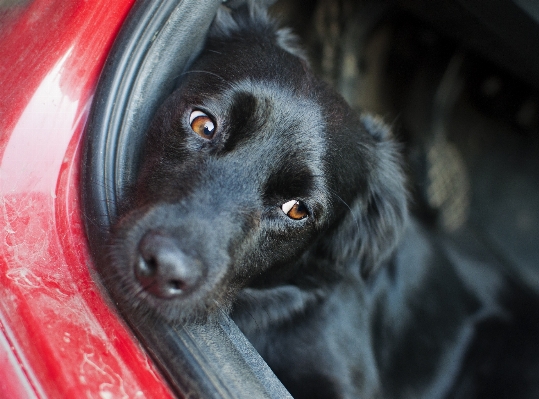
(353,301)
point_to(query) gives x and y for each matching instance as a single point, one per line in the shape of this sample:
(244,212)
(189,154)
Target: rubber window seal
(157,42)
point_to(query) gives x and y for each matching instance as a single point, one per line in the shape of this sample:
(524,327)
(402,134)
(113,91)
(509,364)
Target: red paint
(58,336)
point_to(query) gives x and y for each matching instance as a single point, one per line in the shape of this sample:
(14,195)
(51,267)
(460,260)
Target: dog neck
(388,320)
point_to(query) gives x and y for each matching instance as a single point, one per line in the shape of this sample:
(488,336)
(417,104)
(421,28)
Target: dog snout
(163,269)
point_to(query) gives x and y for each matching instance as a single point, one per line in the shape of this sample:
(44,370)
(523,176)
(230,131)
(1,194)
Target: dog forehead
(269,110)
(272,138)
(275,121)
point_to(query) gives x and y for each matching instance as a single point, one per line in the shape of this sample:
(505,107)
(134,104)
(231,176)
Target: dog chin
(195,308)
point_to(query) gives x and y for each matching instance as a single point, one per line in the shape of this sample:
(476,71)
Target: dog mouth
(178,291)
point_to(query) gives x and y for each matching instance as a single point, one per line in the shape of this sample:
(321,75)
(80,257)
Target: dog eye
(295,210)
(202,124)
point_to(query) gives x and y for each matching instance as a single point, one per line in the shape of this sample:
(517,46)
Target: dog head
(255,174)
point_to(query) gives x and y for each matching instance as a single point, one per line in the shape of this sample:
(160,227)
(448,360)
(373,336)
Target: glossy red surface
(58,336)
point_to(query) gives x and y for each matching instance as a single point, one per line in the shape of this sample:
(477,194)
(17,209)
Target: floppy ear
(239,15)
(246,15)
(371,231)
(233,4)
(383,219)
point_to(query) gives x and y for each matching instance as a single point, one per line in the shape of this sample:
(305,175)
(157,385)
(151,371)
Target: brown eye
(295,210)
(202,124)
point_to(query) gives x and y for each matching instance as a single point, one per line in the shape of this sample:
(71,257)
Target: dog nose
(163,269)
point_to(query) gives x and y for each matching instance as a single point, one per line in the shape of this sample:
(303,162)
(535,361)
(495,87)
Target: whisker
(332,192)
(345,204)
(207,72)
(247,305)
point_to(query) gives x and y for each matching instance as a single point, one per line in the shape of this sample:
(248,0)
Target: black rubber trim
(156,44)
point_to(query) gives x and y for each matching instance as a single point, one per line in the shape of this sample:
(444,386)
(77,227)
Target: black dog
(262,194)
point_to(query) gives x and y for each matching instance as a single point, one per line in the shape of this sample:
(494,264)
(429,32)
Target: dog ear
(249,15)
(385,215)
(376,220)
(234,4)
(240,15)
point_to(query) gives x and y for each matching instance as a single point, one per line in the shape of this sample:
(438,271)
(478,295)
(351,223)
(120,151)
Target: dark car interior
(457,80)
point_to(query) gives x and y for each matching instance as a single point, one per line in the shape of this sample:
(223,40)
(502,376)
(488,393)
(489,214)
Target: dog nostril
(146,267)
(177,285)
(152,264)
